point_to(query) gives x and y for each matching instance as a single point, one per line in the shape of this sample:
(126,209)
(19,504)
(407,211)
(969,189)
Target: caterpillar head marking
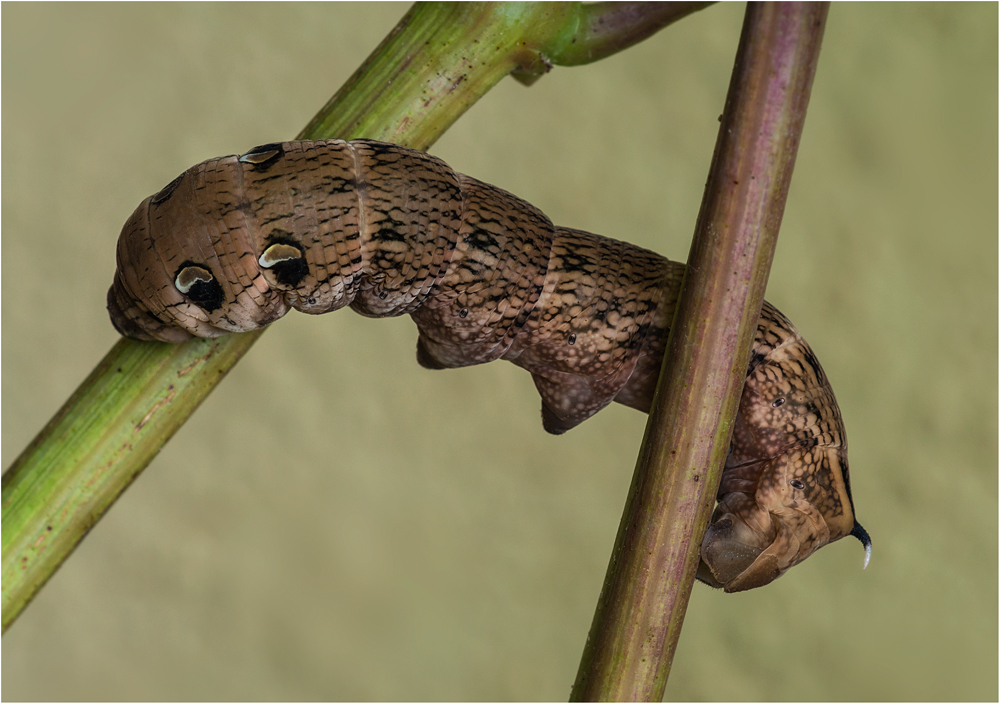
(260,156)
(197,283)
(286,260)
(166,191)
(183,268)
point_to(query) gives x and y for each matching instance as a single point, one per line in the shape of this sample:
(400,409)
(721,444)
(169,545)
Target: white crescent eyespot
(277,253)
(189,276)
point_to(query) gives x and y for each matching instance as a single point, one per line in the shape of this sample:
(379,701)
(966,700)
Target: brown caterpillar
(234,242)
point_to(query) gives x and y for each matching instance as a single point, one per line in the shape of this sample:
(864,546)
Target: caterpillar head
(187,264)
(785,489)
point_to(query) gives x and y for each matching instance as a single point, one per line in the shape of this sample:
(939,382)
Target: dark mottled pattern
(486,276)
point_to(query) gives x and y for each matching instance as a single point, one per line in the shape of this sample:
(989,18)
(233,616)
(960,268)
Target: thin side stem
(435,64)
(642,605)
(606,28)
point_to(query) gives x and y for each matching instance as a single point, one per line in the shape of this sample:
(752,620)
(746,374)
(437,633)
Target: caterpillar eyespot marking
(198,284)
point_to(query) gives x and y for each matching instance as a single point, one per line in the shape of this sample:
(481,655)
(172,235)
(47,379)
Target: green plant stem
(432,67)
(642,605)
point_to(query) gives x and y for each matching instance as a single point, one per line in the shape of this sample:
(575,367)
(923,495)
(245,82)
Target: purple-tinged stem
(641,608)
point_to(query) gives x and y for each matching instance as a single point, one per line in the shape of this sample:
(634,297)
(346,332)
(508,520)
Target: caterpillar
(234,242)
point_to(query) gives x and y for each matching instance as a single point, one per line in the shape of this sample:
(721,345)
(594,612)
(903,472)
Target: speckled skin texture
(235,242)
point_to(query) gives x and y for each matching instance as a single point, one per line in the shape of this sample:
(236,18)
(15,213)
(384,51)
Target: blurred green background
(337,523)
